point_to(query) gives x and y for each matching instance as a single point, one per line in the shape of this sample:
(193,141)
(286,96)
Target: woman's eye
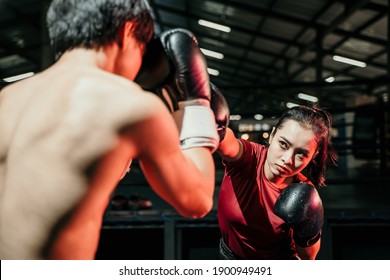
(301,155)
(283,145)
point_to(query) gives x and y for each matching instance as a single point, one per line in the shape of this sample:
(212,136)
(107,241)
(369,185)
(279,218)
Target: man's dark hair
(94,23)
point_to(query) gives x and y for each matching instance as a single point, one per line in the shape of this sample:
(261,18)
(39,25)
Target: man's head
(94,23)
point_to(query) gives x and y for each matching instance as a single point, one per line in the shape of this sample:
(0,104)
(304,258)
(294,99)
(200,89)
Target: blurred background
(265,56)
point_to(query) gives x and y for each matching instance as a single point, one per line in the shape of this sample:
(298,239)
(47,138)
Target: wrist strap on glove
(198,128)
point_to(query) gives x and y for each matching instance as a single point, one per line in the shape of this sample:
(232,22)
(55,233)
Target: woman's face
(291,150)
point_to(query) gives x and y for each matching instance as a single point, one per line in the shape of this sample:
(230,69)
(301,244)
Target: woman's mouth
(281,169)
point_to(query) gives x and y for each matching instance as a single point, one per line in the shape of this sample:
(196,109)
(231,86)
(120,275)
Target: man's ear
(125,34)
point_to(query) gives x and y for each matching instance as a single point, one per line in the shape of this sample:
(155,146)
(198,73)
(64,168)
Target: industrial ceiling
(274,50)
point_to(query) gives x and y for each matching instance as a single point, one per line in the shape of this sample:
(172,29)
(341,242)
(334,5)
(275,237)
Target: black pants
(225,253)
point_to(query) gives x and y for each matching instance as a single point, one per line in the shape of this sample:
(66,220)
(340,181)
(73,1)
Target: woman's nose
(287,157)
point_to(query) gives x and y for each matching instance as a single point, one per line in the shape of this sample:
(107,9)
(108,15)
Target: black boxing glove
(221,111)
(174,68)
(300,206)
(173,61)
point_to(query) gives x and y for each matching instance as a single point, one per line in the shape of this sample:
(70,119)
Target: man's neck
(86,57)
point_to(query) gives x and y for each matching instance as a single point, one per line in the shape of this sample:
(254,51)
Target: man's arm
(183,178)
(175,68)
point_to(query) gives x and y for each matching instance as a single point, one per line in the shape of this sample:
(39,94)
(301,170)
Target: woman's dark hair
(320,122)
(94,23)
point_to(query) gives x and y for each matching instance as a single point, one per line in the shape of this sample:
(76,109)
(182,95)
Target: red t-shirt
(245,209)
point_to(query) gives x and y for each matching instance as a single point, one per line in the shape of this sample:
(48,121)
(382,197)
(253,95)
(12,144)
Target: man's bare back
(54,128)
(67,134)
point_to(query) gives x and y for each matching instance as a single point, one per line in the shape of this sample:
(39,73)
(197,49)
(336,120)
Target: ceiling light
(18,77)
(291,104)
(245,136)
(329,79)
(257,127)
(213,25)
(235,117)
(266,126)
(385,97)
(212,53)
(258,117)
(307,97)
(349,61)
(213,72)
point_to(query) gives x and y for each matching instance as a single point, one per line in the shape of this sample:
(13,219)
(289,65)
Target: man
(67,134)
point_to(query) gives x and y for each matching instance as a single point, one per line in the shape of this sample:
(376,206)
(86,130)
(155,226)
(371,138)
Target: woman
(255,176)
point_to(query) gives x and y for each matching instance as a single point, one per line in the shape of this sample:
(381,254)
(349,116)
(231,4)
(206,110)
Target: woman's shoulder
(252,151)
(253,145)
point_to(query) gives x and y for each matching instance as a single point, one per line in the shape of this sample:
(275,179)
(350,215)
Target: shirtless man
(67,134)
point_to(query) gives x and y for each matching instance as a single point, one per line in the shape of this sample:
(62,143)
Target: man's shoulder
(105,88)
(120,95)
(105,82)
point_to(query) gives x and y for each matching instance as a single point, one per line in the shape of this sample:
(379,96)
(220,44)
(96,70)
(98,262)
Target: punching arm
(176,70)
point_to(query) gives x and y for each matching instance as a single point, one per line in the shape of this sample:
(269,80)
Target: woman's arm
(230,149)
(309,253)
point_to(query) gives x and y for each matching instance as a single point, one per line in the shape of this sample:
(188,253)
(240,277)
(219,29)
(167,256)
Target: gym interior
(265,56)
